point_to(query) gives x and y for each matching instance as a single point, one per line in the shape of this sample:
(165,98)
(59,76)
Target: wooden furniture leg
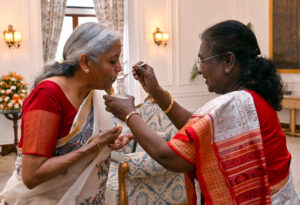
(292,121)
(123,196)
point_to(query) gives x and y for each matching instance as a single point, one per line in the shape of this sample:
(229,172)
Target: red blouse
(47,115)
(278,158)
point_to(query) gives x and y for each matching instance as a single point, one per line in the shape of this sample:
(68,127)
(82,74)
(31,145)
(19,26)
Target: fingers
(108,98)
(139,69)
(121,141)
(139,64)
(114,132)
(117,130)
(129,136)
(111,101)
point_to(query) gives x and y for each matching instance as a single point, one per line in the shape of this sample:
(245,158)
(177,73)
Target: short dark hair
(257,73)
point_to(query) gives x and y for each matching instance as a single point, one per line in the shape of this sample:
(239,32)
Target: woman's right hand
(106,137)
(146,77)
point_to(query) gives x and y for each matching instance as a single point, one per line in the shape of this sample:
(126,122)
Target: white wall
(184,20)
(26,60)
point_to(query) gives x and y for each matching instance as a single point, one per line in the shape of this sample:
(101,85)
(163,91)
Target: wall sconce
(12,37)
(160,38)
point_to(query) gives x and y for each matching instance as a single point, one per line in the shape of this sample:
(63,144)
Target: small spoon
(125,75)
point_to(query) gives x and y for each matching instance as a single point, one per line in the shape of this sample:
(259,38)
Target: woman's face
(106,70)
(212,70)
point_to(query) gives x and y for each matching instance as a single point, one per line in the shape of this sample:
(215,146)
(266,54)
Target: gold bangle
(97,143)
(129,115)
(171,104)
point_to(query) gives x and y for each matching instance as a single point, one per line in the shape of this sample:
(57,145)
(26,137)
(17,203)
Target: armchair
(135,178)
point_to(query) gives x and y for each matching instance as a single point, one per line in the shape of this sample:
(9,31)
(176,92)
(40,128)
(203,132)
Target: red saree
(233,149)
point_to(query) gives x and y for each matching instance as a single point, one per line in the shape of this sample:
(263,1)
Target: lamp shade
(160,38)
(12,37)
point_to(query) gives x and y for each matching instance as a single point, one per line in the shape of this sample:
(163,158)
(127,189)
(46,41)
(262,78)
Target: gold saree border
(81,119)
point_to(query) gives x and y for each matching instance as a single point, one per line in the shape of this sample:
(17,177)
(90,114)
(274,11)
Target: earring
(87,70)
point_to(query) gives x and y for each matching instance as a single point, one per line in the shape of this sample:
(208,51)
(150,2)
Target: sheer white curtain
(52,12)
(111,14)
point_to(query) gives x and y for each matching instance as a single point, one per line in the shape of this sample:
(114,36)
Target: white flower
(2,91)
(8,91)
(12,101)
(15,95)
(13,79)
(16,106)
(1,83)
(13,87)
(1,106)
(23,91)
(6,99)
(20,102)
(10,105)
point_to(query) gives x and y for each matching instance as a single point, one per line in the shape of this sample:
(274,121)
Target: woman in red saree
(232,150)
(66,142)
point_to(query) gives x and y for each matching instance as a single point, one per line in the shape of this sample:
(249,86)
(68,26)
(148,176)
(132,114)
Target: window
(285,34)
(77,12)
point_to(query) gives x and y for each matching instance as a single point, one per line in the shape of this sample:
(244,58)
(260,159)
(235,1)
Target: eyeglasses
(198,61)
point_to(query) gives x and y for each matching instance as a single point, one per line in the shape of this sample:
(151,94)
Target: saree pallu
(227,151)
(84,182)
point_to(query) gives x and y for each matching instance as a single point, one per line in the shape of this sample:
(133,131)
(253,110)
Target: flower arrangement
(13,91)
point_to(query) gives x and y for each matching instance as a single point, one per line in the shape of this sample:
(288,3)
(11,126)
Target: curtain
(53,12)
(111,14)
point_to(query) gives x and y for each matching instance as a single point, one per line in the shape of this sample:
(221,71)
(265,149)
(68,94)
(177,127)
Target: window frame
(75,12)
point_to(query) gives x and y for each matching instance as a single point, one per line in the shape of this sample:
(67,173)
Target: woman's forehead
(203,48)
(115,50)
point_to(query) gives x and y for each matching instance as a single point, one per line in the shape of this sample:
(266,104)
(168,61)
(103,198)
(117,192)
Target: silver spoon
(125,75)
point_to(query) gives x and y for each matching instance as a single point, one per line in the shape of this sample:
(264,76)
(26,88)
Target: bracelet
(97,143)
(129,115)
(171,104)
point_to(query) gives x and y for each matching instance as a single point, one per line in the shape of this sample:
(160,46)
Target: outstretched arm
(156,147)
(153,144)
(177,114)
(145,75)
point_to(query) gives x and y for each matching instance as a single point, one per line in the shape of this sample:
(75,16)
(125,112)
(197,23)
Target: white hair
(89,38)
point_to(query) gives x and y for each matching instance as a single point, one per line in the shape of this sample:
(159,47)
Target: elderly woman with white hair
(63,154)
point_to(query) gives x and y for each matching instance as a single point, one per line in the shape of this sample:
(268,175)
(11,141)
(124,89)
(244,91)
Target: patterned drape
(111,14)
(53,12)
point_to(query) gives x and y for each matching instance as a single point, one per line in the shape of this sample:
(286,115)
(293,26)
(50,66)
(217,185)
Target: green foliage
(194,73)
(249,25)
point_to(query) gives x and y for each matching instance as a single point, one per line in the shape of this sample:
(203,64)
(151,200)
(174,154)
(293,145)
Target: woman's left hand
(120,107)
(121,141)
